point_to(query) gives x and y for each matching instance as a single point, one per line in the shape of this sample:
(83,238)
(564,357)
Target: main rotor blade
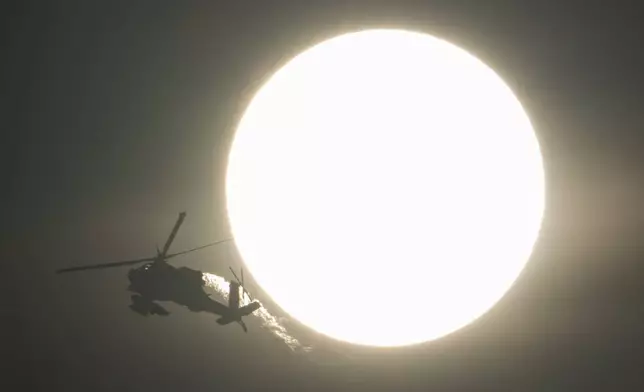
(131,262)
(104,265)
(173,234)
(198,248)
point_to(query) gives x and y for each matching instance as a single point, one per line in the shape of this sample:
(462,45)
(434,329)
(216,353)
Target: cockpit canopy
(136,272)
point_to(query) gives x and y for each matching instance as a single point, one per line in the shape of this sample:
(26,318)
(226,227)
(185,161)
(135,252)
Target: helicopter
(157,281)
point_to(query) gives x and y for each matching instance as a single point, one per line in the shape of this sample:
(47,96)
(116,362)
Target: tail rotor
(241,282)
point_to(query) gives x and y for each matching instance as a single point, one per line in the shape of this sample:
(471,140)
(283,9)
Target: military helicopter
(157,280)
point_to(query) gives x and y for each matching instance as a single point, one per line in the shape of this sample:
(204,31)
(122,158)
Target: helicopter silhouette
(158,281)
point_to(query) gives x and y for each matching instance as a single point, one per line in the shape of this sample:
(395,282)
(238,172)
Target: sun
(385,188)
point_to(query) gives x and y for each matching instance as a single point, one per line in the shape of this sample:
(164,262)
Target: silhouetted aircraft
(157,280)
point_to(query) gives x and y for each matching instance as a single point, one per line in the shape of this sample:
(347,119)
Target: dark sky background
(116,115)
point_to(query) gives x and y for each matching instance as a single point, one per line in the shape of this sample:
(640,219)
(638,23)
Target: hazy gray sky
(119,116)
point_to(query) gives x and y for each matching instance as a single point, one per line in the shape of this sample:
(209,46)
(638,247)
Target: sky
(117,115)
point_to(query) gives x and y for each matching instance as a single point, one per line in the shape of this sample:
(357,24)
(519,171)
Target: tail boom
(237,314)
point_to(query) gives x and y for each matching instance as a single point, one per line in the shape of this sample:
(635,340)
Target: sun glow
(385,188)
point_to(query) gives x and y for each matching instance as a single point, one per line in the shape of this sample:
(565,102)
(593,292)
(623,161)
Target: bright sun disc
(385,188)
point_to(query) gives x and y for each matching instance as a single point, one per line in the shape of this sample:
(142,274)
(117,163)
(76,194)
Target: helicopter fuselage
(163,282)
